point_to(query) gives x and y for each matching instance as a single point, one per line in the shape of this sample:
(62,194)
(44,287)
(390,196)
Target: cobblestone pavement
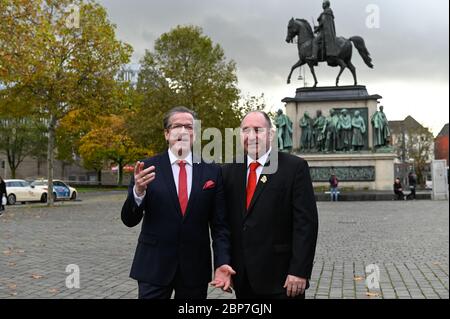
(406,243)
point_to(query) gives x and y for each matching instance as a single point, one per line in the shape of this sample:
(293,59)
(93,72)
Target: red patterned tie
(251,183)
(182,187)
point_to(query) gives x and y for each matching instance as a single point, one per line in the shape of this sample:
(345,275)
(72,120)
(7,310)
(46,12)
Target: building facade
(75,174)
(441,144)
(414,146)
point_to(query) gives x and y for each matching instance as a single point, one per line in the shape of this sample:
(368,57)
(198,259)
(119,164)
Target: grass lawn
(100,189)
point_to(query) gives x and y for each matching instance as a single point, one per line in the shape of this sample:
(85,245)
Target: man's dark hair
(266,117)
(173,111)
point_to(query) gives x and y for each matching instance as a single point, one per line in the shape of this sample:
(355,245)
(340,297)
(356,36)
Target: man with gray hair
(273,217)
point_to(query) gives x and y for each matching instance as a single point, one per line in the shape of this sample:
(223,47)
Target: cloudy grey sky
(410,48)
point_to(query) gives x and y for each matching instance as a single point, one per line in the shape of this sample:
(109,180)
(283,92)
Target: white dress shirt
(262,161)
(175,172)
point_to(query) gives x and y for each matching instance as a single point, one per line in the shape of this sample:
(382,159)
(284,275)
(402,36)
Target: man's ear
(166,135)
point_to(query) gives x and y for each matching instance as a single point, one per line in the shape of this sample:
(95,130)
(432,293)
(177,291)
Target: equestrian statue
(325,47)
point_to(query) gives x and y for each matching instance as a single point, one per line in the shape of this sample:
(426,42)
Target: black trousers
(412,195)
(151,291)
(245,291)
(399,195)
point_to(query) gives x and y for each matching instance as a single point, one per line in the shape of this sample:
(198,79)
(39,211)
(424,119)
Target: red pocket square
(209,184)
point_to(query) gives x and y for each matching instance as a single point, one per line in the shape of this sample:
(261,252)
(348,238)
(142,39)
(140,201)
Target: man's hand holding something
(294,286)
(222,278)
(142,177)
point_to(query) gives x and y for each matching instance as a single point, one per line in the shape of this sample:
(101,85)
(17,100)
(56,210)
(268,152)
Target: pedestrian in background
(398,189)
(412,182)
(334,182)
(3,195)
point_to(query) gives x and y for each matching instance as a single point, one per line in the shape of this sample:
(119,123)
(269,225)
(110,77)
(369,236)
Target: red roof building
(441,144)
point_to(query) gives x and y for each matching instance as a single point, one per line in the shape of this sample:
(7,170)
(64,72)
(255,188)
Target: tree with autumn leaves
(21,133)
(111,117)
(61,59)
(107,141)
(62,53)
(185,68)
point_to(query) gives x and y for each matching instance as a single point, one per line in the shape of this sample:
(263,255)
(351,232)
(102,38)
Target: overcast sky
(410,48)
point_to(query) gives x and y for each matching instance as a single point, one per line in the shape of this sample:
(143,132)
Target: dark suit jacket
(2,189)
(167,239)
(277,235)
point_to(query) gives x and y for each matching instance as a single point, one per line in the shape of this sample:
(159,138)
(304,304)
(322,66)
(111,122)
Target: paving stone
(407,241)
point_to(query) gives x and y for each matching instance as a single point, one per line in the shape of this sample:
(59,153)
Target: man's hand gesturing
(142,177)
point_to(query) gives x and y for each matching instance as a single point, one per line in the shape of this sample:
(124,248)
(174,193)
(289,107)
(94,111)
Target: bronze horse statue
(301,29)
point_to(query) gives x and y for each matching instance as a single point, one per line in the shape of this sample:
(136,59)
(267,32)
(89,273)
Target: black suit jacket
(167,239)
(2,189)
(277,235)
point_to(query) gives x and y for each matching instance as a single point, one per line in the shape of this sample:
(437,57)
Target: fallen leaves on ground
(7,252)
(53,290)
(358,278)
(36,276)
(12,286)
(372,294)
(11,251)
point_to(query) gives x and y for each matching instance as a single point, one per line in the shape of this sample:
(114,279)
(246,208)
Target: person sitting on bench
(398,189)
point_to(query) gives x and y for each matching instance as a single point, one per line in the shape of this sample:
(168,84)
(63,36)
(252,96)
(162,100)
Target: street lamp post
(302,75)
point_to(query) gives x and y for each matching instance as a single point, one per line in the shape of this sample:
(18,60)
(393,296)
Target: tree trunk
(39,167)
(13,171)
(120,174)
(50,158)
(99,177)
(63,168)
(12,163)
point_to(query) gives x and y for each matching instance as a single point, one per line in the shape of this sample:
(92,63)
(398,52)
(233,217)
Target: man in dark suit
(180,199)
(2,194)
(273,217)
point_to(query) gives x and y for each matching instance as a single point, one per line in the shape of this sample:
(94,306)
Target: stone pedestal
(362,170)
(358,171)
(440,179)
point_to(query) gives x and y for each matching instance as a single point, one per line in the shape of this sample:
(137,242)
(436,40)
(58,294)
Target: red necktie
(182,187)
(251,183)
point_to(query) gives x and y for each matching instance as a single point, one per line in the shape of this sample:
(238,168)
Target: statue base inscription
(365,170)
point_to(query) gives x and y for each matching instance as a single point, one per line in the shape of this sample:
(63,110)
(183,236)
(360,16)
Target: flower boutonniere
(264,179)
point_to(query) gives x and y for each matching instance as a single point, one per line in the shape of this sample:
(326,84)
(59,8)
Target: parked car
(19,190)
(60,189)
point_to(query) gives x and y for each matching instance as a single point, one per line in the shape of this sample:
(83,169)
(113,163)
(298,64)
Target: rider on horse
(326,34)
